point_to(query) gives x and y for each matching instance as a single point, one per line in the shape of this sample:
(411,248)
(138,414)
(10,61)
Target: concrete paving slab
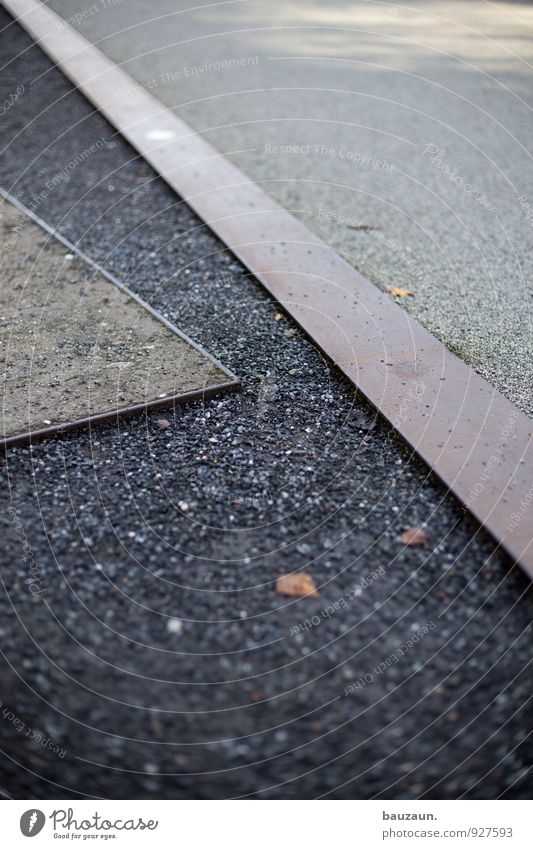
(400,135)
(76,346)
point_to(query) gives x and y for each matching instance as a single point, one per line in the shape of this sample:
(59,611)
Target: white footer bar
(268,824)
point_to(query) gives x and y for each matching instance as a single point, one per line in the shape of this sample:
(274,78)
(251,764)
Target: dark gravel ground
(154,650)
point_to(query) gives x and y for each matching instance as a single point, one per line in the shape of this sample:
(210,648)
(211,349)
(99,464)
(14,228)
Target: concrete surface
(401,134)
(73,344)
(150,653)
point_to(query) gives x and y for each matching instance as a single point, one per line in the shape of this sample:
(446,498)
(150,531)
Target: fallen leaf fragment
(297,584)
(414,536)
(396,292)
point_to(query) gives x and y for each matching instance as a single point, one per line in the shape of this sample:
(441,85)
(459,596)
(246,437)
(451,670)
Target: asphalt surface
(401,134)
(143,638)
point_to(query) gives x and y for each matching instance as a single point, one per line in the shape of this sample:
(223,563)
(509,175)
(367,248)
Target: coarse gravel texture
(400,133)
(139,616)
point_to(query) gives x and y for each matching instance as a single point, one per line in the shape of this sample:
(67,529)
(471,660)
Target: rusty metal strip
(116,415)
(475,440)
(233,383)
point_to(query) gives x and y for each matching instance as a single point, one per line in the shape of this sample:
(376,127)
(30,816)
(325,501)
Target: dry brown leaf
(297,584)
(414,536)
(396,292)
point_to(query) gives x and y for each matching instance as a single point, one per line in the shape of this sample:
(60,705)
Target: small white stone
(174,626)
(151,768)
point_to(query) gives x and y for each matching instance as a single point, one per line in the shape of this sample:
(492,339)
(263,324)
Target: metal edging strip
(115,415)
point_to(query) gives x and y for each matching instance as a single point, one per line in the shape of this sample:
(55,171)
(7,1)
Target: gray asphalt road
(413,120)
(156,658)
